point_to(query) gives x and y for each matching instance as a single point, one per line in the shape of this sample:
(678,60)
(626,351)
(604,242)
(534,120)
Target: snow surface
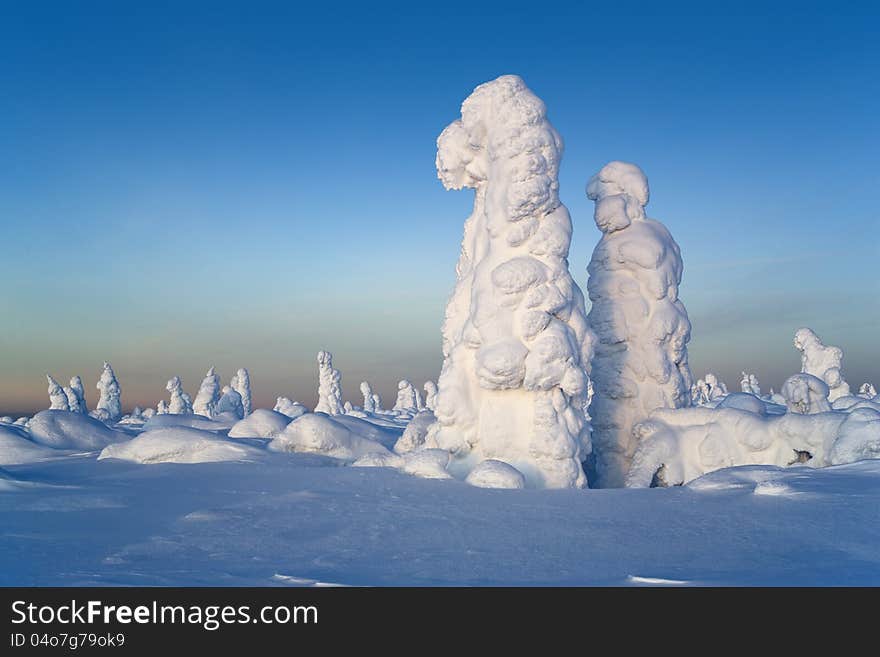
(286,520)
(515,340)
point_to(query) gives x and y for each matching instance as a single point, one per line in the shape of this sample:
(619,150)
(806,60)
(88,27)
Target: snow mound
(380,460)
(290,408)
(428,464)
(66,430)
(317,433)
(384,435)
(859,437)
(190,421)
(178,445)
(261,423)
(17,448)
(743,401)
(496,474)
(416,433)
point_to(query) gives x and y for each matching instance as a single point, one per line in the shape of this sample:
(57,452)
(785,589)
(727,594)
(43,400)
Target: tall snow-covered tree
(516,344)
(181,403)
(109,403)
(208,395)
(642,326)
(329,386)
(241,383)
(369,402)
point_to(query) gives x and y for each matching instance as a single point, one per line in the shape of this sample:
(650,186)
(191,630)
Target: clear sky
(184,185)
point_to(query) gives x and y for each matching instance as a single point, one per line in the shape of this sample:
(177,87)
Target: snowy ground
(293,519)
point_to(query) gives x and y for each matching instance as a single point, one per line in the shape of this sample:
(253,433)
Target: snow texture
(57,397)
(516,344)
(261,423)
(496,474)
(329,386)
(208,395)
(642,326)
(290,408)
(66,430)
(181,403)
(109,404)
(178,445)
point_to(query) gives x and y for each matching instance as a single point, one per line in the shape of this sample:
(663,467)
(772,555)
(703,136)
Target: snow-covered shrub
(642,326)
(65,430)
(318,433)
(261,423)
(290,408)
(57,397)
(109,401)
(495,474)
(208,395)
(179,445)
(241,383)
(516,343)
(806,394)
(329,386)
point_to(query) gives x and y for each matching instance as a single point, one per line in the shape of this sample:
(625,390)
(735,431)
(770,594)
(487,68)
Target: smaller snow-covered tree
(867,391)
(110,401)
(749,384)
(230,402)
(76,396)
(329,386)
(241,383)
(430,395)
(162,407)
(369,401)
(57,397)
(208,395)
(181,403)
(407,398)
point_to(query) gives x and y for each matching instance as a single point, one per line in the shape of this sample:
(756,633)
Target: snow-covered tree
(208,394)
(241,383)
(749,384)
(867,391)
(822,361)
(806,394)
(57,397)
(181,403)
(329,386)
(407,401)
(76,396)
(109,401)
(230,402)
(290,408)
(369,402)
(162,407)
(642,326)
(430,395)
(516,344)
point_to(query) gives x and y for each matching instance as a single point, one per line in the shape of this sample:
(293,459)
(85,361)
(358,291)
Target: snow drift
(261,423)
(516,344)
(317,433)
(66,430)
(179,445)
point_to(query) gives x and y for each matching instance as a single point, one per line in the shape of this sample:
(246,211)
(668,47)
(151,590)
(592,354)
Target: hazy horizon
(243,188)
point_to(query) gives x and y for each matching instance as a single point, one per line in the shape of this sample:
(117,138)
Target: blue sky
(244,184)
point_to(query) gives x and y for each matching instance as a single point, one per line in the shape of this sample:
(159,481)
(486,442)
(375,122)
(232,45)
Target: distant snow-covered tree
(181,403)
(369,402)
(57,398)
(241,383)
(230,402)
(407,398)
(208,394)
(329,386)
(76,396)
(110,394)
(430,395)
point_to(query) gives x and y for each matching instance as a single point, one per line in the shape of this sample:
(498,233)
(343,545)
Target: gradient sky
(242,185)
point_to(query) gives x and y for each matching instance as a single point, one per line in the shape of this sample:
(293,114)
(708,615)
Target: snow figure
(76,396)
(516,344)
(329,386)
(642,326)
(430,395)
(208,394)
(180,404)
(162,407)
(749,384)
(109,401)
(369,402)
(806,394)
(407,401)
(57,397)
(230,402)
(241,383)
(867,391)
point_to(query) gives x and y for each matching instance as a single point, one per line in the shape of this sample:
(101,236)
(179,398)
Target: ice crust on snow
(516,343)
(641,325)
(329,386)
